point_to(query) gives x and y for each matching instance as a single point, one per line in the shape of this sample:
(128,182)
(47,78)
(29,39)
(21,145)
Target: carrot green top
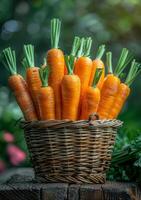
(134,71)
(100,52)
(109,62)
(44,74)
(70,63)
(44,63)
(97,77)
(55,32)
(124,59)
(9,60)
(85,47)
(75,46)
(69,60)
(81,47)
(28,60)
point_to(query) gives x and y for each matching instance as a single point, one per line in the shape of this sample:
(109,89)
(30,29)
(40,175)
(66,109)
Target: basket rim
(71,124)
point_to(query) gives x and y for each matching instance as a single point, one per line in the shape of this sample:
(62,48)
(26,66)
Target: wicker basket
(71,152)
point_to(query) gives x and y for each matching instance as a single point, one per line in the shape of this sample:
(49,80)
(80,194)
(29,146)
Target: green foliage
(126,159)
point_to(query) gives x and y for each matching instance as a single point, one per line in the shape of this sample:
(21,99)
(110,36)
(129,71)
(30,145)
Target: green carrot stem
(87,47)
(109,62)
(69,63)
(131,72)
(75,46)
(97,77)
(81,48)
(24,63)
(123,61)
(9,60)
(44,74)
(134,77)
(134,71)
(100,52)
(124,158)
(44,64)
(55,32)
(29,55)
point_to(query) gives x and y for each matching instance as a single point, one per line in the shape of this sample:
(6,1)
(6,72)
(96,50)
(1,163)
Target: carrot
(70,88)
(32,75)
(18,85)
(92,97)
(46,97)
(83,67)
(111,83)
(98,63)
(56,62)
(124,91)
(65,70)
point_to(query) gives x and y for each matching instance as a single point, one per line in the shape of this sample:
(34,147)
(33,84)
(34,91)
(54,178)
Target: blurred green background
(113,23)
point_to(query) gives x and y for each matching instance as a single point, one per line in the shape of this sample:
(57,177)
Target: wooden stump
(20,184)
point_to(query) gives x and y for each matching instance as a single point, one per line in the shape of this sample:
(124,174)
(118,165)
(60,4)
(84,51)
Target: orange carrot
(65,70)
(83,67)
(70,92)
(98,63)
(92,97)
(55,60)
(46,97)
(18,86)
(111,84)
(124,91)
(32,75)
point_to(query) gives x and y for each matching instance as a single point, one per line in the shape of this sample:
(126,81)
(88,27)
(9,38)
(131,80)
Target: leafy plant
(126,159)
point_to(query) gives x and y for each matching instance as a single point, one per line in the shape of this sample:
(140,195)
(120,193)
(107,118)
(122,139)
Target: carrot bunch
(18,85)
(70,87)
(112,83)
(124,90)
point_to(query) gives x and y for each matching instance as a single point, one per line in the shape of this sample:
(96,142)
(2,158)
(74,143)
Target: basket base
(78,179)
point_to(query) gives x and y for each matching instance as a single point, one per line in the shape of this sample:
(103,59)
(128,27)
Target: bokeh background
(115,23)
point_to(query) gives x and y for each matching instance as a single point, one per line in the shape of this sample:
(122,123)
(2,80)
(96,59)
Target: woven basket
(71,152)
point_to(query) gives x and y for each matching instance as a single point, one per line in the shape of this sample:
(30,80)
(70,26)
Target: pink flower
(8,137)
(16,155)
(2,166)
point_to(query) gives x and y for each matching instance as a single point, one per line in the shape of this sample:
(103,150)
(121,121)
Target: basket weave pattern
(71,152)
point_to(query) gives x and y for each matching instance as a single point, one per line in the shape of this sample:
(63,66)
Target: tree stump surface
(20,184)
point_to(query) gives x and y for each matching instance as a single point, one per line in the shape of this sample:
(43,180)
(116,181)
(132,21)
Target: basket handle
(93,117)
